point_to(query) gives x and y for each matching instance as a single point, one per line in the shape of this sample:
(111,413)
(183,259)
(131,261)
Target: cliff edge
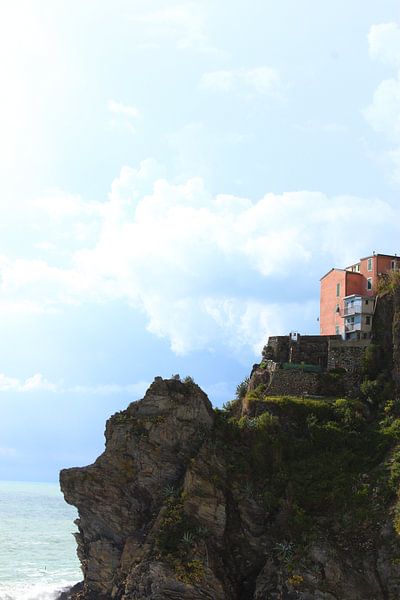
(296,501)
(271,498)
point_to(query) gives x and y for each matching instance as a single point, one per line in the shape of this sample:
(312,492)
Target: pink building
(348,296)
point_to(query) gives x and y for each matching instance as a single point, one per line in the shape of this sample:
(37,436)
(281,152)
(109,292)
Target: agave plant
(285,551)
(202,531)
(170,490)
(188,538)
(241,388)
(248,489)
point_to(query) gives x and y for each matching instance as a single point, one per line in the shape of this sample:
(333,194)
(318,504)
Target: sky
(175,179)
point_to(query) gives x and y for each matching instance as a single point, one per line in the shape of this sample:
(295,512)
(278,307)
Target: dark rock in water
(294,500)
(71,593)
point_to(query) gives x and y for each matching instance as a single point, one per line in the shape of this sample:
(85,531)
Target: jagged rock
(165,513)
(148,447)
(72,592)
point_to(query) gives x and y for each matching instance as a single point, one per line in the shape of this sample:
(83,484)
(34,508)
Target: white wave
(43,591)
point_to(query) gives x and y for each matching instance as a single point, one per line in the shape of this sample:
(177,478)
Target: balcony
(352,309)
(352,327)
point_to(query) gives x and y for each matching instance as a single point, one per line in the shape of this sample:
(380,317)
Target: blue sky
(176,177)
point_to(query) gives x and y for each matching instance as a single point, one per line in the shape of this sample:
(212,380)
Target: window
(368,320)
(338,290)
(337,330)
(366,302)
(369,264)
(358,268)
(394,265)
(369,283)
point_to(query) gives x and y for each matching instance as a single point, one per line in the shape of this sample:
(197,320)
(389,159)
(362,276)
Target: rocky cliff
(386,333)
(272,498)
(296,501)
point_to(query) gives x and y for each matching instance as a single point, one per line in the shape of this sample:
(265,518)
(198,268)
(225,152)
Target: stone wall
(346,355)
(299,383)
(293,383)
(309,349)
(277,349)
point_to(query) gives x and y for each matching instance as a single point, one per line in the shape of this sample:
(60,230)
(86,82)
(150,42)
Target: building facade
(348,296)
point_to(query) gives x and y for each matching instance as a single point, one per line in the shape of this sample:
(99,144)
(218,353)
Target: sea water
(37,548)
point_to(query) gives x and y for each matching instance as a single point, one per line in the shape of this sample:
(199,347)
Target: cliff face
(295,500)
(121,497)
(386,334)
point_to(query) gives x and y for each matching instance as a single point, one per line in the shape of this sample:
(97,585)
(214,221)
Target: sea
(37,548)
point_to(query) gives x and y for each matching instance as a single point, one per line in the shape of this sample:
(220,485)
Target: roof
(342,270)
(333,269)
(364,258)
(379,254)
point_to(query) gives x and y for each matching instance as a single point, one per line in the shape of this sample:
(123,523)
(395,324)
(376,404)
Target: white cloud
(124,116)
(383,114)
(33,384)
(263,80)
(316,126)
(208,270)
(218,81)
(126,110)
(182,24)
(133,389)
(46,246)
(19,306)
(38,383)
(384,43)
(6,452)
(60,205)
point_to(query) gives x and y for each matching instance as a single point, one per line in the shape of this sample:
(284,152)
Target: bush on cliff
(388,282)
(311,459)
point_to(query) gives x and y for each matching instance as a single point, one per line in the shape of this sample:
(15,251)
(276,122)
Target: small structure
(300,365)
(296,349)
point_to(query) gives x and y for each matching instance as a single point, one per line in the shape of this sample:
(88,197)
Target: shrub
(295,580)
(231,405)
(241,388)
(373,361)
(190,572)
(388,282)
(377,391)
(172,527)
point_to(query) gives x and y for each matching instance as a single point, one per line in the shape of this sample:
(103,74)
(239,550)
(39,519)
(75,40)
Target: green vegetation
(179,539)
(331,382)
(389,282)
(241,389)
(377,386)
(190,572)
(315,459)
(172,526)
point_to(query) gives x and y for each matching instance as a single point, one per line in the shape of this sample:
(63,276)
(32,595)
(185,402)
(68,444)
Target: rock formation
(291,498)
